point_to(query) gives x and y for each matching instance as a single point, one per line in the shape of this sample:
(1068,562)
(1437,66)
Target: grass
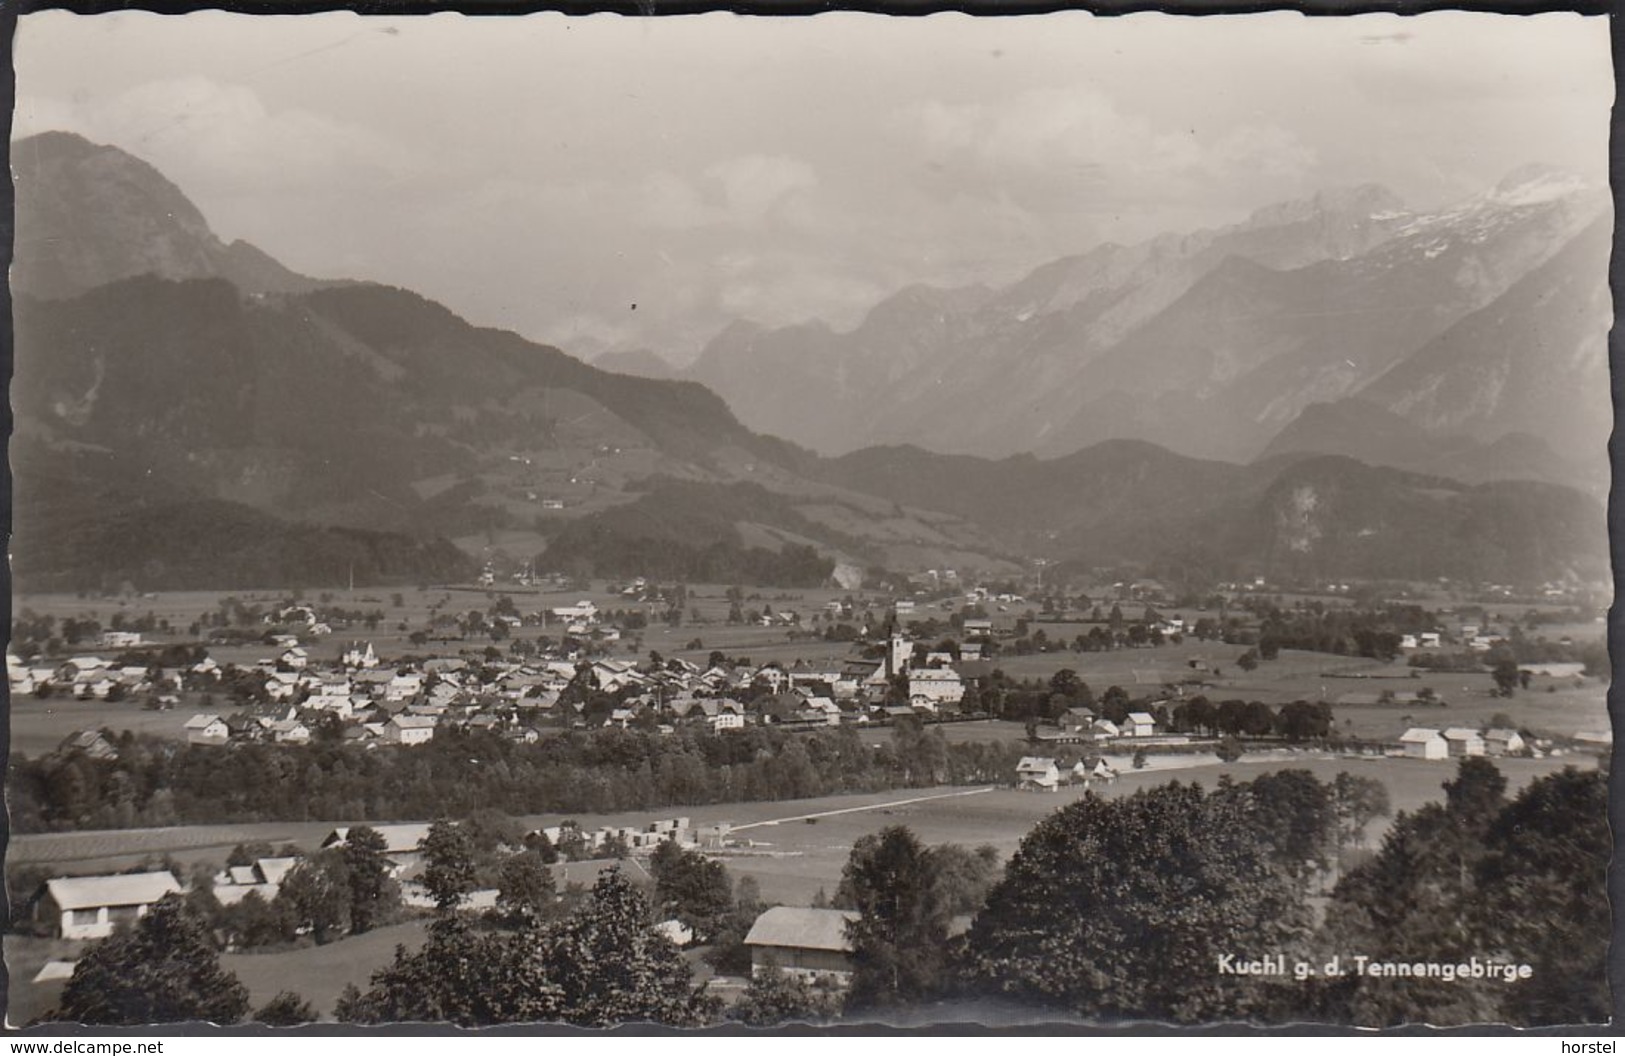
(319,973)
(316,973)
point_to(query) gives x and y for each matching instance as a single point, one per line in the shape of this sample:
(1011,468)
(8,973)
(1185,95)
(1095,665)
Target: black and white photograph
(717,522)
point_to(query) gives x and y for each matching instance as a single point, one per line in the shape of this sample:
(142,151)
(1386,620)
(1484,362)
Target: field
(795,858)
(316,973)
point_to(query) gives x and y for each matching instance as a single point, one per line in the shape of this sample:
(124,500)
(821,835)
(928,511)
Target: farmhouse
(1036,772)
(409,729)
(1139,724)
(810,943)
(90,907)
(1463,742)
(206,729)
(92,742)
(1503,742)
(1422,743)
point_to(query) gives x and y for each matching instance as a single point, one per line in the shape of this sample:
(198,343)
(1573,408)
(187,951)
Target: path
(857,810)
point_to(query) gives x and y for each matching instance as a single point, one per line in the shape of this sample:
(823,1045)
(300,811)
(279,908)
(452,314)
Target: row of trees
(159,782)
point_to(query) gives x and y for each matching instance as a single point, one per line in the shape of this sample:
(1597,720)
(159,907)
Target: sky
(606,181)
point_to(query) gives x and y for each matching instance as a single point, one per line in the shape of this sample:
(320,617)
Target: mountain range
(1469,323)
(191,413)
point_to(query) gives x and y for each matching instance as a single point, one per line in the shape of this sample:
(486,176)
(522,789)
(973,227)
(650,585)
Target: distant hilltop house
(90,907)
(809,943)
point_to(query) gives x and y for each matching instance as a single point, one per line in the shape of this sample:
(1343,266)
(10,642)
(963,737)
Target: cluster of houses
(409,703)
(91,907)
(1044,774)
(93,677)
(1421,742)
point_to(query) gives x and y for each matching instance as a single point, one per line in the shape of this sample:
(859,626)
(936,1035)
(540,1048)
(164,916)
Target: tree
(526,890)
(610,966)
(448,870)
(899,942)
(691,887)
(1229,749)
(775,997)
(286,1009)
(163,970)
(1247,661)
(1505,674)
(1357,800)
(373,894)
(1543,899)
(1123,908)
(316,892)
(1297,817)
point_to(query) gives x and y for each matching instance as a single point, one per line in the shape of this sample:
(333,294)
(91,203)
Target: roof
(397,838)
(414,722)
(200,722)
(1138,717)
(1034,762)
(1418,734)
(801,928)
(274,869)
(1460,733)
(129,889)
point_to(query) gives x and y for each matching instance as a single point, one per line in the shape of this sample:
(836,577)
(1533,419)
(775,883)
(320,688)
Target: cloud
(216,136)
(1045,146)
(752,184)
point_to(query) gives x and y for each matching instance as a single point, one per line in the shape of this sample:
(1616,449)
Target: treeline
(156,782)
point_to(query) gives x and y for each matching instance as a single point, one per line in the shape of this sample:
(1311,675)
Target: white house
(90,907)
(1038,772)
(1463,741)
(1140,724)
(1422,743)
(938,685)
(1503,742)
(206,729)
(409,729)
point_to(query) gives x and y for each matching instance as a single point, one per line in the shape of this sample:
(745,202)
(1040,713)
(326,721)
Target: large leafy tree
(900,941)
(612,967)
(163,970)
(449,871)
(1411,902)
(1543,898)
(374,896)
(526,890)
(316,894)
(691,887)
(1122,908)
(601,966)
